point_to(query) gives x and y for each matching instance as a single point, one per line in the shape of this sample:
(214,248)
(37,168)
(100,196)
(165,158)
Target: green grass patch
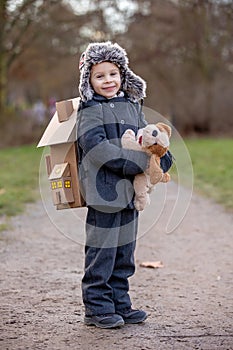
(18,178)
(211,160)
(212,165)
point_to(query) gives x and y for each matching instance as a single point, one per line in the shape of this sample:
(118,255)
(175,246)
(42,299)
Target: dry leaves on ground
(152,264)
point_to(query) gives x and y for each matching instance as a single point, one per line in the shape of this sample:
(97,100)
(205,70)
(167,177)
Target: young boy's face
(105,79)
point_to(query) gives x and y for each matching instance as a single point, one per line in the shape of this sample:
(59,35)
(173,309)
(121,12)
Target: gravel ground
(189,299)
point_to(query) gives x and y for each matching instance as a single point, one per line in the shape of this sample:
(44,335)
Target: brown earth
(189,300)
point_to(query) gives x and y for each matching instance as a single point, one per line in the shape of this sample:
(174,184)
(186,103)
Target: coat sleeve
(166,161)
(100,151)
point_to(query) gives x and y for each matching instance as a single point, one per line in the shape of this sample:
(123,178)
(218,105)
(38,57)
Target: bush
(19,127)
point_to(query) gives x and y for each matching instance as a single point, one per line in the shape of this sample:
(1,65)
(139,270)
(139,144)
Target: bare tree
(184,51)
(52,29)
(182,48)
(17,34)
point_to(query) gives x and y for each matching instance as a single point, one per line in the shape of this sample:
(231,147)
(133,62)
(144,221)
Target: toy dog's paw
(128,138)
(156,177)
(138,206)
(141,203)
(129,132)
(166,177)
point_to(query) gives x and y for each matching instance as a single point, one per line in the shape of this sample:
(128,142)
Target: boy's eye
(101,76)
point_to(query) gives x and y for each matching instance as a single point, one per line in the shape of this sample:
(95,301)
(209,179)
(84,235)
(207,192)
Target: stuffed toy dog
(154,140)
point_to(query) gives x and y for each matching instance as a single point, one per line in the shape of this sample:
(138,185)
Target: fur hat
(132,84)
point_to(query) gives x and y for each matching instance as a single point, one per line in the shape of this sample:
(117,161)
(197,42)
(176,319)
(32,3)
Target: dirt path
(189,300)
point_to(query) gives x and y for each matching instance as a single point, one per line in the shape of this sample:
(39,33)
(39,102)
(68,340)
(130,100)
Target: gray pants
(109,260)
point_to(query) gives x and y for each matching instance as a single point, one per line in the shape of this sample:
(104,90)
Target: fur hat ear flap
(133,85)
(85,89)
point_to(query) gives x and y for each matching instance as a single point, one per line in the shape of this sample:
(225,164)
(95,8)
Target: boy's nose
(108,78)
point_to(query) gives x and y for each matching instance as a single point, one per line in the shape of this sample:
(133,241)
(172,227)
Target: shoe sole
(117,324)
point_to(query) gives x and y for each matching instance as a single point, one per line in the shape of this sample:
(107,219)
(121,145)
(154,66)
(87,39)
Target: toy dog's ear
(165,127)
(155,172)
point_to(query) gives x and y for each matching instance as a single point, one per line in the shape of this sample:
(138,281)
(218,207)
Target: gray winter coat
(106,170)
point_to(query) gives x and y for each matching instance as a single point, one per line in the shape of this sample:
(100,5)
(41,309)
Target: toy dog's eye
(155,133)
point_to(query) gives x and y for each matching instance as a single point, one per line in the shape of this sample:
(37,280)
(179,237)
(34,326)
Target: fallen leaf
(152,264)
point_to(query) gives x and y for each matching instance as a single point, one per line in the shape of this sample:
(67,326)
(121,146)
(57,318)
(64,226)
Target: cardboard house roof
(59,170)
(61,132)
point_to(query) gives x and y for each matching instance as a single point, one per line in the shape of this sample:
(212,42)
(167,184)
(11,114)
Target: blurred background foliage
(182,48)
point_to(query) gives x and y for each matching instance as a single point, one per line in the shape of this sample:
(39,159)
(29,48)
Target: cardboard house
(61,163)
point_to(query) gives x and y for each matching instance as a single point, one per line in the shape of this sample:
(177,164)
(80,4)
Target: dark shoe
(132,316)
(104,321)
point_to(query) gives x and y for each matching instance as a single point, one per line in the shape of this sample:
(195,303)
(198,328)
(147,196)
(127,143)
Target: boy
(110,93)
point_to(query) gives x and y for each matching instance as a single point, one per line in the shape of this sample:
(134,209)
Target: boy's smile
(105,79)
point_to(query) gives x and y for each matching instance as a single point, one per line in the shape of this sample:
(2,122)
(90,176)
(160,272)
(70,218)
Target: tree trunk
(3,84)
(3,71)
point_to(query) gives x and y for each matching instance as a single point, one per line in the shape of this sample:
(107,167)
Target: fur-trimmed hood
(132,84)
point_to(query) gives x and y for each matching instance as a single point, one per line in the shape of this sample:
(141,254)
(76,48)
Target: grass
(212,161)
(18,178)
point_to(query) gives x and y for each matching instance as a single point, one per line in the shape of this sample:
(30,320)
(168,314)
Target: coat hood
(131,84)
